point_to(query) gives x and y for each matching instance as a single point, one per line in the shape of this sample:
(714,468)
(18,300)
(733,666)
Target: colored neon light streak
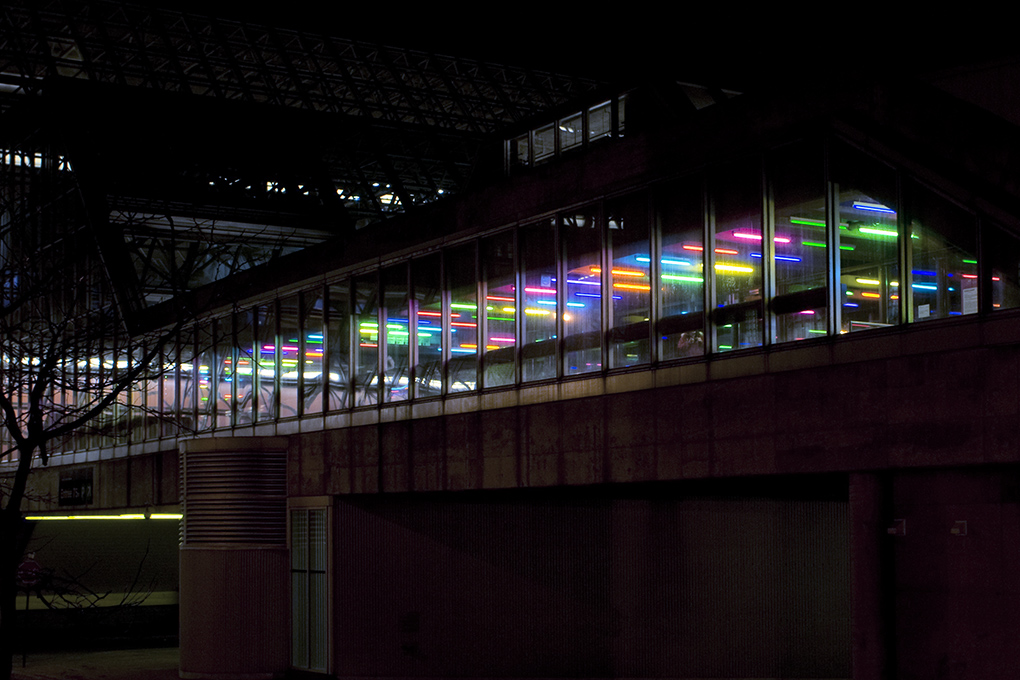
(726,251)
(850,304)
(546,302)
(618,272)
(313,354)
(509,310)
(499,299)
(869,282)
(924,272)
(807,311)
(725,346)
(546,291)
(924,286)
(461,305)
(367,331)
(576,304)
(691,279)
(436,314)
(681,263)
(316,336)
(631,286)
(970,276)
(870,295)
(368,344)
(499,318)
(368,324)
(969,261)
(584,283)
(734,268)
(462,351)
(780,239)
(894,297)
(814,330)
(155,515)
(464,324)
(805,221)
(537,312)
(873,207)
(696,249)
(752,237)
(877,232)
(502,339)
(995,278)
(812,244)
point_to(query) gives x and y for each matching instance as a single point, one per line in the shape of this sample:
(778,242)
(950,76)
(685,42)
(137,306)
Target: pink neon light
(753,237)
(547,291)
(501,299)
(781,239)
(808,311)
(969,276)
(510,340)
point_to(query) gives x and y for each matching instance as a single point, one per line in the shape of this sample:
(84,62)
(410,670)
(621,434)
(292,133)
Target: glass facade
(810,240)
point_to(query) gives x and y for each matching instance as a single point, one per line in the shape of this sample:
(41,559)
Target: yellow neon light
(734,268)
(631,286)
(155,515)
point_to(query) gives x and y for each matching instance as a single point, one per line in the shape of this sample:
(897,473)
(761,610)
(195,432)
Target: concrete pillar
(871,590)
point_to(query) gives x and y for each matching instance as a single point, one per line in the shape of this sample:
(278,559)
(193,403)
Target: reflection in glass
(582,309)
(799,243)
(223,372)
(338,337)
(941,252)
(462,319)
(396,348)
(500,322)
(868,233)
(266,354)
(629,335)
(1003,252)
(429,331)
(571,131)
(737,274)
(244,367)
(681,219)
(538,300)
(366,347)
(290,356)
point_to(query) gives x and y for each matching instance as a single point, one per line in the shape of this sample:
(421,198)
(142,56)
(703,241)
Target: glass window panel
(266,354)
(428,296)
(463,318)
(571,131)
(396,351)
(538,300)
(245,367)
(207,376)
(545,142)
(868,234)
(366,350)
(681,219)
(737,274)
(290,351)
(339,338)
(171,401)
(1002,249)
(799,242)
(582,310)
(313,343)
(519,151)
(943,264)
(600,120)
(500,315)
(223,354)
(188,385)
(629,336)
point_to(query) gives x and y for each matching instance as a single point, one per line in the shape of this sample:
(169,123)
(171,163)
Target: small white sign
(923,311)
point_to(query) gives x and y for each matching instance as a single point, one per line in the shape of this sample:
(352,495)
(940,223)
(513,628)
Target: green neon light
(877,232)
(969,261)
(812,330)
(725,346)
(810,223)
(813,244)
(458,305)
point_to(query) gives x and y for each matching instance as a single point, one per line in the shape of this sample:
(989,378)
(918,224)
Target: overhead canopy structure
(185,130)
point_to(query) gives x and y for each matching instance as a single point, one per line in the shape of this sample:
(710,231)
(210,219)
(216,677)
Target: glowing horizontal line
(547,291)
(873,207)
(155,515)
(806,221)
(510,340)
(631,286)
(870,282)
(733,268)
(879,232)
(458,305)
(499,299)
(436,314)
(463,324)
(726,251)
(673,277)
(870,295)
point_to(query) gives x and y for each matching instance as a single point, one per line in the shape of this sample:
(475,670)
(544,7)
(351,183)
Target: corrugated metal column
(233,600)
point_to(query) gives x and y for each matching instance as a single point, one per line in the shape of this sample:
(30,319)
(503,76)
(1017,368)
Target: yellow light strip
(155,515)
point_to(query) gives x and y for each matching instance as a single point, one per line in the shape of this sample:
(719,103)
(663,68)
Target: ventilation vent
(235,497)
